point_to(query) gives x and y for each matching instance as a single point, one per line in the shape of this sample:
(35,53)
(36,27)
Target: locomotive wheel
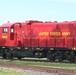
(38,54)
(19,58)
(58,56)
(50,57)
(60,59)
(9,56)
(4,55)
(55,56)
(72,57)
(75,59)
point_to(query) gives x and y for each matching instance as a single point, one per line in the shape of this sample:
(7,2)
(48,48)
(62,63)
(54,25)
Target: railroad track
(40,60)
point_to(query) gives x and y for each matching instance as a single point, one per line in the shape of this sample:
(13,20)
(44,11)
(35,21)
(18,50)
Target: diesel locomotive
(51,40)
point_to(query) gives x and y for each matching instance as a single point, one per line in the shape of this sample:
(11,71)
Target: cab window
(12,30)
(5,30)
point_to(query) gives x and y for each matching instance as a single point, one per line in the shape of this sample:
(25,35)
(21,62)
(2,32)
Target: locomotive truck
(51,40)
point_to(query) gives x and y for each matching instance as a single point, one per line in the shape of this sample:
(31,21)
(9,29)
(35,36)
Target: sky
(42,10)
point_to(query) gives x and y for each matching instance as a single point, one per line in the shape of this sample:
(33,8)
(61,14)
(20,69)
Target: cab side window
(4,30)
(12,30)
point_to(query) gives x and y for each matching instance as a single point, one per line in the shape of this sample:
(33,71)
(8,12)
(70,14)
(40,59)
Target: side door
(12,33)
(18,34)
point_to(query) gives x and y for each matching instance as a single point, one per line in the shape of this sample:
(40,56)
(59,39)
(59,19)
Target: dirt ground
(40,69)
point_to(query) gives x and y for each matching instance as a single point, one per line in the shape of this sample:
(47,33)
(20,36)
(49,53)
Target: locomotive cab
(9,38)
(7,34)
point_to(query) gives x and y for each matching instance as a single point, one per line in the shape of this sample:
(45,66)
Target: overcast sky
(44,10)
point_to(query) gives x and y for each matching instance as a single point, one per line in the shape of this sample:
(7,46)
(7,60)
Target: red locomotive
(53,40)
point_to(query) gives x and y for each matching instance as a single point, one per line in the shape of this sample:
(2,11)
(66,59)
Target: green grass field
(8,71)
(42,64)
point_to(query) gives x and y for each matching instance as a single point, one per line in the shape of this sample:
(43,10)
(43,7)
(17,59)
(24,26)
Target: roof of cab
(7,25)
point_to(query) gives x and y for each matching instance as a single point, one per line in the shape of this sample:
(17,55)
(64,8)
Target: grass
(42,64)
(7,71)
